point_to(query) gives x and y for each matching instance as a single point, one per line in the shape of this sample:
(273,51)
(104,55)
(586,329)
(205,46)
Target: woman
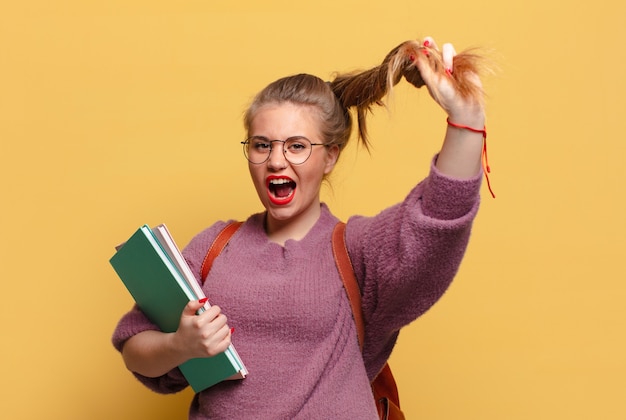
(277,279)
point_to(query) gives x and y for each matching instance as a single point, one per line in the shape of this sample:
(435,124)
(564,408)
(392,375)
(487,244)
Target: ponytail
(363,90)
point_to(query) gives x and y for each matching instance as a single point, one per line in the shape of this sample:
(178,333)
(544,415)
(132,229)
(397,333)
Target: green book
(161,291)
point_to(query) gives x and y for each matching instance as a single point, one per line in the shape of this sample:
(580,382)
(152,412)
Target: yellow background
(118,113)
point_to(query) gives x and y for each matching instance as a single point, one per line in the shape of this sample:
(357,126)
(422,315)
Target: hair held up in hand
(362,90)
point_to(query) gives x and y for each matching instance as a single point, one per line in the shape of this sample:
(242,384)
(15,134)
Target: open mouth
(281,189)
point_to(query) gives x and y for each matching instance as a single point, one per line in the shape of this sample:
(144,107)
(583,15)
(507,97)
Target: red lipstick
(280,189)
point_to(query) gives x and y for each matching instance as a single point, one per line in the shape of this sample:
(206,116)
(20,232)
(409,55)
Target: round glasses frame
(297,149)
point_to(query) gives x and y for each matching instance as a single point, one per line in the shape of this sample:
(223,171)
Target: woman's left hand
(466,110)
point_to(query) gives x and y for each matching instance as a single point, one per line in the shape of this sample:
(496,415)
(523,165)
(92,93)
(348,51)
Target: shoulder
(202,240)
(196,248)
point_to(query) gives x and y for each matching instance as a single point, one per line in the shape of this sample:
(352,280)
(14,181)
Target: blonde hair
(362,90)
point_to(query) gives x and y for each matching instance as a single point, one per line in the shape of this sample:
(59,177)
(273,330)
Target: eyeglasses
(297,149)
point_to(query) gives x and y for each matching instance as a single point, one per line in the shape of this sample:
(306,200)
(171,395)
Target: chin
(280,214)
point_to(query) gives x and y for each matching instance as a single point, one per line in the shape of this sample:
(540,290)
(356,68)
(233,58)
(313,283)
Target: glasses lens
(256,149)
(297,150)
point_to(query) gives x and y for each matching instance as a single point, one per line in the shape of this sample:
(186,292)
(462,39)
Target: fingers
(212,319)
(423,62)
(206,334)
(216,333)
(436,67)
(447,55)
(193,307)
(424,67)
(429,42)
(445,59)
(447,52)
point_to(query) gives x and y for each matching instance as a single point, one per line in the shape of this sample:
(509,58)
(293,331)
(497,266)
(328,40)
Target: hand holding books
(203,335)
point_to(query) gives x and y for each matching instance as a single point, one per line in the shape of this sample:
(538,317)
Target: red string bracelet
(485,161)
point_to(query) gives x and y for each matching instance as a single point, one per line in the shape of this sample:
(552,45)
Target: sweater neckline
(320,227)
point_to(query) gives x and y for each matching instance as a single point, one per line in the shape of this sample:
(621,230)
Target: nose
(277,159)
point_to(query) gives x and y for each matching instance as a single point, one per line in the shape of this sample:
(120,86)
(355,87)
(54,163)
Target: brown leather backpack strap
(216,247)
(386,395)
(346,272)
(384,386)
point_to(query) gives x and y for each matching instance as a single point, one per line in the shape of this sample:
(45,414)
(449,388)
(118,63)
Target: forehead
(283,120)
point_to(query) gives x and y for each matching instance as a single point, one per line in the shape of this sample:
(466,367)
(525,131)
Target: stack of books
(157,276)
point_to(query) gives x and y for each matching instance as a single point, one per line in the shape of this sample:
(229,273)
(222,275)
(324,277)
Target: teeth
(280,181)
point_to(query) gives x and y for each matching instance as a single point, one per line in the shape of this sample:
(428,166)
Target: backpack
(384,385)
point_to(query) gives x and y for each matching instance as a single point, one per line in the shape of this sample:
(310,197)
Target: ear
(332,154)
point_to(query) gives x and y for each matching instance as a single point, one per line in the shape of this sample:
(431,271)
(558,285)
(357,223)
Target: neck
(296,228)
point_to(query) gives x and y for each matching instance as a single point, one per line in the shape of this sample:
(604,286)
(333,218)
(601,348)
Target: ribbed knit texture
(293,322)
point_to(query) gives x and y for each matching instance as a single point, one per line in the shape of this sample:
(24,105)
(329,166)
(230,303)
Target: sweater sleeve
(132,323)
(406,257)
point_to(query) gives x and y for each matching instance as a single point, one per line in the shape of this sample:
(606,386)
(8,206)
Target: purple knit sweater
(294,326)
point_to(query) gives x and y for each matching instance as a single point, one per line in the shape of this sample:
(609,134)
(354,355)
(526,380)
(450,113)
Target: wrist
(474,129)
(483,132)
(175,348)
(474,117)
